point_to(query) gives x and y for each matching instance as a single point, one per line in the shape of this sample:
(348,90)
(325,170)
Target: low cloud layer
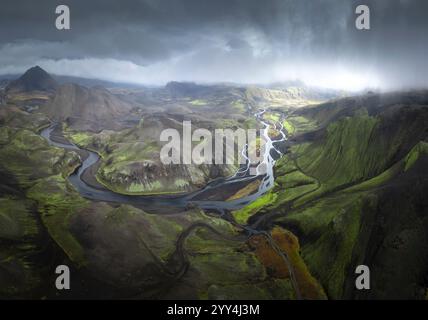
(244,41)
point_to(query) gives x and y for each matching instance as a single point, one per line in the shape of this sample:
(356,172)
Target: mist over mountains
(87,104)
(152,43)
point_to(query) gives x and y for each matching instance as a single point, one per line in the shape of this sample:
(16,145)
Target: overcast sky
(244,41)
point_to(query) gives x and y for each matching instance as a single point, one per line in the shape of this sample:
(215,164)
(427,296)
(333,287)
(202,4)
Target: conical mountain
(34,79)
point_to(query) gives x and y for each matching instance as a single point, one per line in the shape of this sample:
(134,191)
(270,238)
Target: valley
(83,184)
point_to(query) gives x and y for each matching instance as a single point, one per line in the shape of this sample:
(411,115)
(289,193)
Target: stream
(183,200)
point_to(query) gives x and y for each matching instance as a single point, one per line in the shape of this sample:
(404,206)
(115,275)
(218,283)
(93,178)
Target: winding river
(158,203)
(184,200)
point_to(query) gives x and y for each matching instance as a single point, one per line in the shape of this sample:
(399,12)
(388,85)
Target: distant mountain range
(88,82)
(34,79)
(84,107)
(86,104)
(177,87)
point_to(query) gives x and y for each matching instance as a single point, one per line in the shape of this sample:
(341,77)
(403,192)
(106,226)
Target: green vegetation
(342,157)
(228,269)
(352,186)
(272,116)
(288,126)
(35,193)
(57,204)
(131,164)
(28,151)
(239,106)
(337,220)
(198,102)
(81,138)
(16,221)
(282,98)
(297,124)
(19,232)
(330,191)
(159,233)
(415,153)
(243,214)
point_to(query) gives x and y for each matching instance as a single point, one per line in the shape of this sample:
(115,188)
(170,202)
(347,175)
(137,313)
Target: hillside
(352,187)
(86,108)
(288,96)
(131,164)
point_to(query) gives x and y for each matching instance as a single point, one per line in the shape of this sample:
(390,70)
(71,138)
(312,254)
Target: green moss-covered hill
(353,187)
(113,250)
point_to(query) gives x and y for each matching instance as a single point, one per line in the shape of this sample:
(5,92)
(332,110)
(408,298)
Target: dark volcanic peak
(34,79)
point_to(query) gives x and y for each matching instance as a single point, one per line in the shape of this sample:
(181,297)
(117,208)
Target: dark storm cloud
(219,40)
